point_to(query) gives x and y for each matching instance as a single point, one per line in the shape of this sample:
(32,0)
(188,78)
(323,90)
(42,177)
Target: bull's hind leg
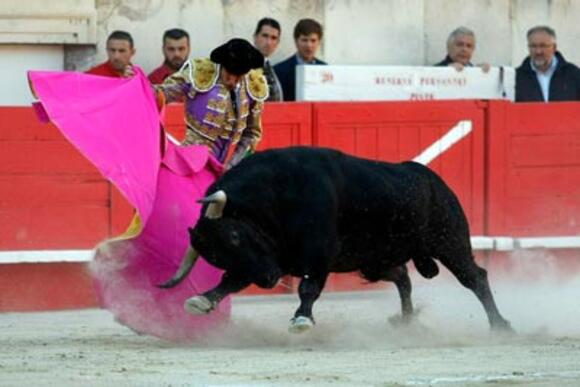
(400,277)
(309,290)
(474,277)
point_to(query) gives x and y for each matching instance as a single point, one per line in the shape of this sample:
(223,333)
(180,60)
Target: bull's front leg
(309,290)
(208,301)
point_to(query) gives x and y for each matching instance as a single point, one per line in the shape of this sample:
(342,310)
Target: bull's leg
(309,290)
(208,301)
(400,277)
(474,277)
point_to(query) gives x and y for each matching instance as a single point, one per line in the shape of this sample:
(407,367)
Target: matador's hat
(238,56)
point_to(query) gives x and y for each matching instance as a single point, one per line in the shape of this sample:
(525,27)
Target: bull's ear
(216,203)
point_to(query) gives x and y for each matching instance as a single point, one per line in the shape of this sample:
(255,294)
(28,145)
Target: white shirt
(544,78)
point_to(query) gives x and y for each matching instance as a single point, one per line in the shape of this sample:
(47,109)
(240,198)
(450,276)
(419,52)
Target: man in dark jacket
(266,40)
(460,49)
(307,37)
(545,76)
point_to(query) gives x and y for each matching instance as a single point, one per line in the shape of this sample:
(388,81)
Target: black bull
(307,212)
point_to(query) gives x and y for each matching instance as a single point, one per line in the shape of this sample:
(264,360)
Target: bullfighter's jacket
(214,115)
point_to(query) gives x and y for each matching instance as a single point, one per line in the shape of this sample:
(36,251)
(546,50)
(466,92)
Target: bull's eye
(235,238)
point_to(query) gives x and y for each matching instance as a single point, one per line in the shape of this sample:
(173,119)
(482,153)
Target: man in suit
(307,37)
(266,40)
(545,76)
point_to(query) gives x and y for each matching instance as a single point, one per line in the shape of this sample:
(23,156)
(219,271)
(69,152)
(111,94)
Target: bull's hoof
(198,305)
(300,324)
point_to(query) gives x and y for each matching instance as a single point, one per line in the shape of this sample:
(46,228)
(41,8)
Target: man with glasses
(545,76)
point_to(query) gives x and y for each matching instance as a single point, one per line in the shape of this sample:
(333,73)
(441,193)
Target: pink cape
(115,124)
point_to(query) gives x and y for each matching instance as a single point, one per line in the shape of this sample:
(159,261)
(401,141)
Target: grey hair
(459,31)
(545,29)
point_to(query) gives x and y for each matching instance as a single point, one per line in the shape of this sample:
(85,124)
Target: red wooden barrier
(533,179)
(516,174)
(51,196)
(45,286)
(533,169)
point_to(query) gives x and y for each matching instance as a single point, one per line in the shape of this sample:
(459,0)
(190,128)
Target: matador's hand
(128,72)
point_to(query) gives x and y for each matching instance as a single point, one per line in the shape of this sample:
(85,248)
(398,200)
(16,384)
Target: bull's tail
(186,265)
(426,266)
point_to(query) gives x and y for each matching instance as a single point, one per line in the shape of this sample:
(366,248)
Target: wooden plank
(45,286)
(53,227)
(43,157)
(21,123)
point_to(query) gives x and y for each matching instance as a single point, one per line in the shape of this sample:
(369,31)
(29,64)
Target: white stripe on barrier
(477,242)
(462,129)
(569,242)
(40,256)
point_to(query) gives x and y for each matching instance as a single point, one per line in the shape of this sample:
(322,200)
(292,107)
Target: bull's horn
(217,202)
(186,265)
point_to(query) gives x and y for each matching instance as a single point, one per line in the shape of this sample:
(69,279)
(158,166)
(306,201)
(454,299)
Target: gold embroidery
(205,74)
(256,85)
(218,106)
(216,120)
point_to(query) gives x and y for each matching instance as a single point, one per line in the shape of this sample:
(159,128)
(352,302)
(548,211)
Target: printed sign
(402,83)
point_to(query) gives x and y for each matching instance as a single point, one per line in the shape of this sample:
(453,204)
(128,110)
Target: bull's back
(374,204)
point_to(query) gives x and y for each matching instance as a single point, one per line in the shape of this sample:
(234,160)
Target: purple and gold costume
(212,116)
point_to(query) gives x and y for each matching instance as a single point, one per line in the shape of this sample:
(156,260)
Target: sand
(352,344)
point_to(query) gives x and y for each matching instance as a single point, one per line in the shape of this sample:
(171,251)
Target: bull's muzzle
(186,265)
(217,202)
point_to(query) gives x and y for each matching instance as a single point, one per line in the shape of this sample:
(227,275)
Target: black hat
(238,56)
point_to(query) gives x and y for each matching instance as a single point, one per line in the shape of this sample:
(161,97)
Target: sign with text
(402,83)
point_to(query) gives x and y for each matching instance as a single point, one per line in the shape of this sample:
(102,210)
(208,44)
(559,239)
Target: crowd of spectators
(544,75)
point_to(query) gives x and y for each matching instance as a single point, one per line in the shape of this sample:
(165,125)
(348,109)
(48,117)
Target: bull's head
(231,243)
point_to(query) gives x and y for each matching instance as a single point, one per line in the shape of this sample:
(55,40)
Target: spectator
(176,49)
(120,50)
(460,48)
(307,38)
(545,75)
(266,40)
(223,99)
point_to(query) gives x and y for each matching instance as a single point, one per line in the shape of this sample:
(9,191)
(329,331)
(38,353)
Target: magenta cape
(116,125)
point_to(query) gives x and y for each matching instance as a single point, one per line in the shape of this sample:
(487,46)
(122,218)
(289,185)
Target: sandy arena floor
(353,343)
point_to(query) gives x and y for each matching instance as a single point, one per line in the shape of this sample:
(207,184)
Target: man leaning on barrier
(460,49)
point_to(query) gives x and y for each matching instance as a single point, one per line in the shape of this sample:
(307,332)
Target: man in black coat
(307,37)
(460,49)
(266,40)
(545,76)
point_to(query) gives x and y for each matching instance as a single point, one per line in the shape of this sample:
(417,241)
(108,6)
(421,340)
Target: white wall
(376,32)
(392,32)
(209,22)
(16,60)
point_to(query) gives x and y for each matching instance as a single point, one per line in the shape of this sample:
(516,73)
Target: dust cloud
(541,301)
